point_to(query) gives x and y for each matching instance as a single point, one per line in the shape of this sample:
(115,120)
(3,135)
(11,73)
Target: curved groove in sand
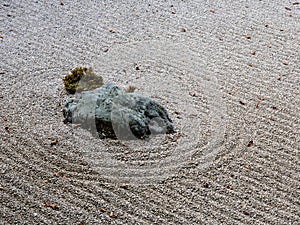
(163,167)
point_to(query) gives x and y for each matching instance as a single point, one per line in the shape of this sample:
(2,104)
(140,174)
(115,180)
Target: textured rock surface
(112,112)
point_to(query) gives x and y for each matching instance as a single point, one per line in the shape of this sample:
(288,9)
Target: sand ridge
(226,72)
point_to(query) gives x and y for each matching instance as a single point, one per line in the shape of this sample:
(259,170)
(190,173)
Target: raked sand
(227,72)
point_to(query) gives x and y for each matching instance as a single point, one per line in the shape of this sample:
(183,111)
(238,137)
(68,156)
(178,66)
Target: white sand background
(226,71)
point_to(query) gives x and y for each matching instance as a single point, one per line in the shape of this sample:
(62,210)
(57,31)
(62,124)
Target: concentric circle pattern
(226,71)
(199,137)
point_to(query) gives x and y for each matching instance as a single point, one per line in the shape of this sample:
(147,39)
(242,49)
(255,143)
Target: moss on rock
(82,79)
(130,89)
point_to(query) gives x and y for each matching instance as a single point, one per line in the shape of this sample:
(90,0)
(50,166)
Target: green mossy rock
(82,79)
(114,113)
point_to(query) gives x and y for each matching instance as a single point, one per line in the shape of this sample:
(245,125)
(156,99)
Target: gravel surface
(226,71)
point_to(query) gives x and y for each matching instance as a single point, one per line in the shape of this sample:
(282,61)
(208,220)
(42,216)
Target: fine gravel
(226,71)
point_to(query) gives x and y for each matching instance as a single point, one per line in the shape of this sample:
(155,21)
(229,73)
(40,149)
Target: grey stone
(114,113)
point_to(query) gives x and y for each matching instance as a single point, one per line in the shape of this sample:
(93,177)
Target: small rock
(54,142)
(246,213)
(56,174)
(112,215)
(250,144)
(242,103)
(247,166)
(105,49)
(124,186)
(51,205)
(229,187)
(205,184)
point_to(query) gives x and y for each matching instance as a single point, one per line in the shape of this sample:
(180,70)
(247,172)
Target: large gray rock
(114,113)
